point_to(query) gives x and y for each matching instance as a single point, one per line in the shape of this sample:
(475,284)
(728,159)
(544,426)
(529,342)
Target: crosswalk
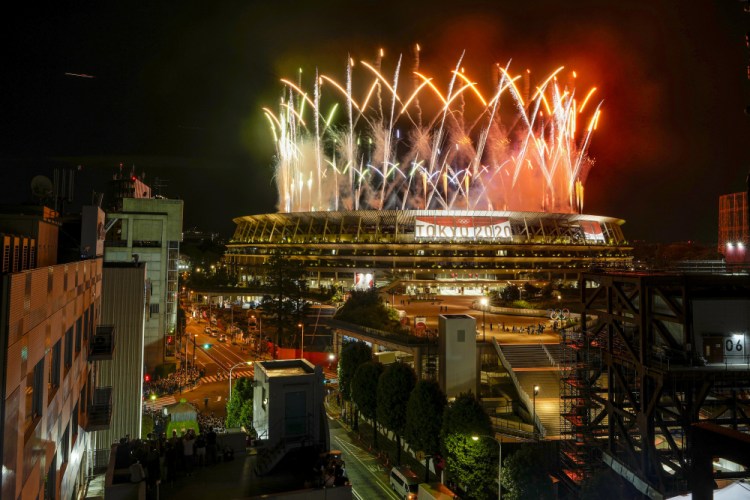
(225,376)
(159,403)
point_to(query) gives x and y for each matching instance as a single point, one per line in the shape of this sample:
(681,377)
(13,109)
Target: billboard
(363,280)
(462,227)
(592,231)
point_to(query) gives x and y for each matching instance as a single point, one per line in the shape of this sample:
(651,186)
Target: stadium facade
(429,251)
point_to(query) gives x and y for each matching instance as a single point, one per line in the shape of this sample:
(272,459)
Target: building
(40,224)
(149,230)
(458,368)
(734,235)
(124,306)
(52,341)
(429,251)
(288,410)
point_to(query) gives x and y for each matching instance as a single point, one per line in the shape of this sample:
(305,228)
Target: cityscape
(404,252)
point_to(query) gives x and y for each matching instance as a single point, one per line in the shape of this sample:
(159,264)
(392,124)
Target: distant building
(51,341)
(40,224)
(734,236)
(149,230)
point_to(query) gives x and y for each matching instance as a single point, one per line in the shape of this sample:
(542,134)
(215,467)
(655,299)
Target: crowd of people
(172,383)
(159,459)
(210,421)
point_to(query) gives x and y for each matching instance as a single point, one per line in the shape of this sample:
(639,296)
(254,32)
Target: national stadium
(386,177)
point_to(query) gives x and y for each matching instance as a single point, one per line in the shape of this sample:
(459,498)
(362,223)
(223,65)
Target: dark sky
(179,87)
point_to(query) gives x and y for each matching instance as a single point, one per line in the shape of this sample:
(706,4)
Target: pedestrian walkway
(225,376)
(159,403)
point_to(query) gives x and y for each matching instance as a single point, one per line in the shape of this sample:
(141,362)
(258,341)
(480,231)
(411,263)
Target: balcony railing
(102,343)
(100,409)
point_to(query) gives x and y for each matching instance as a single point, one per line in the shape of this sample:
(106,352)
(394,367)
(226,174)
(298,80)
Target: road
(218,356)
(367,475)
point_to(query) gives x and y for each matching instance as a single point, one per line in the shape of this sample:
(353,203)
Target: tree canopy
(394,389)
(364,392)
(473,464)
(366,308)
(424,418)
(284,304)
(524,475)
(240,405)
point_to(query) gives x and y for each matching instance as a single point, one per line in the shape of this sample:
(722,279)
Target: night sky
(178,89)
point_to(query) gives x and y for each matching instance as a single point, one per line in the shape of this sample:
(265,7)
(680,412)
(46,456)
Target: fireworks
(402,143)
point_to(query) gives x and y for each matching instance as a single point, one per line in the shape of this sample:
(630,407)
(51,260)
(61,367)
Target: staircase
(532,367)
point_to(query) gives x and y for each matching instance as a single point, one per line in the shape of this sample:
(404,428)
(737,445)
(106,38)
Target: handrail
(524,397)
(550,357)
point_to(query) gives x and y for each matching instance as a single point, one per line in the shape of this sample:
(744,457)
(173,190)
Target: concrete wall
(458,354)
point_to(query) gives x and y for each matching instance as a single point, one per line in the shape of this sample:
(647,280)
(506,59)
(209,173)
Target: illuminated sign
(462,227)
(363,281)
(592,231)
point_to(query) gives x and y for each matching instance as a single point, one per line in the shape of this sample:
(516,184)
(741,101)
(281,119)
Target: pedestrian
(188,451)
(211,446)
(200,450)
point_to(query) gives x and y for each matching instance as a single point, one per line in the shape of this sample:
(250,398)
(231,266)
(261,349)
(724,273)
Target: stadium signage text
(462,227)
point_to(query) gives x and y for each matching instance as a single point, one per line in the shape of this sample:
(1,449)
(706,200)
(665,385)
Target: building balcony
(100,410)
(102,343)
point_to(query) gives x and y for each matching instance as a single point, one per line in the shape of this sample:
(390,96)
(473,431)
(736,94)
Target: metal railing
(522,393)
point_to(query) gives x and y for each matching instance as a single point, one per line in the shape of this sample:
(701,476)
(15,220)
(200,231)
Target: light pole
(499,461)
(483,301)
(533,422)
(302,341)
(195,337)
(248,363)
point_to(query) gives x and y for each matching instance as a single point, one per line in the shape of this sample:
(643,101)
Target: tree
(424,418)
(366,308)
(364,393)
(524,475)
(240,405)
(472,463)
(353,354)
(394,389)
(510,293)
(284,304)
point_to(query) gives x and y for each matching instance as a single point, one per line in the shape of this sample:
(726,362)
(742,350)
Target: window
(154,309)
(65,445)
(74,422)
(78,336)
(69,348)
(54,369)
(35,392)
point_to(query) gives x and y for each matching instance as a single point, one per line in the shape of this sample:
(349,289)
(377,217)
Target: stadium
(444,191)
(429,251)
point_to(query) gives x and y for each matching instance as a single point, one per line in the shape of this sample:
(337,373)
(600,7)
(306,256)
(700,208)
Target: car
(214,332)
(222,338)
(207,330)
(404,482)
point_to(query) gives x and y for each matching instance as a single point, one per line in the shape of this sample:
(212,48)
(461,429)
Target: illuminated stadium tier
(429,248)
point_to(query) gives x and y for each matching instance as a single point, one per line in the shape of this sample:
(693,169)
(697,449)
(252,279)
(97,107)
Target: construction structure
(655,355)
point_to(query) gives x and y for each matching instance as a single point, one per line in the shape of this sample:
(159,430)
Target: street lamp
(195,337)
(533,422)
(248,363)
(302,341)
(483,301)
(499,461)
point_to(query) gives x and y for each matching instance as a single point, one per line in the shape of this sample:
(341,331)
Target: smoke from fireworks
(405,144)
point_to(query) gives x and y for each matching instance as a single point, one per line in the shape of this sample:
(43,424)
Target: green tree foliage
(424,419)
(240,405)
(364,392)
(366,308)
(353,354)
(510,293)
(394,389)
(524,476)
(284,305)
(471,463)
